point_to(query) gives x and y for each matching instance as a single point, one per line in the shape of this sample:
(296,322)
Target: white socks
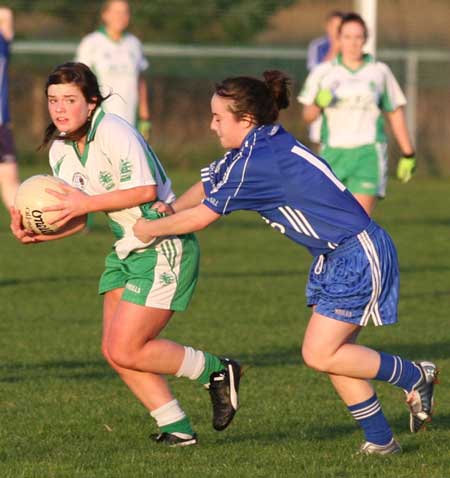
(169,413)
(193,364)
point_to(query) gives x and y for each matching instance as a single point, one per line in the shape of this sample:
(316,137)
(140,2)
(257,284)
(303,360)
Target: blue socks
(397,371)
(372,420)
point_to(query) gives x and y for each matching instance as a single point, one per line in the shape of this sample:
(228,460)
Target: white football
(32,198)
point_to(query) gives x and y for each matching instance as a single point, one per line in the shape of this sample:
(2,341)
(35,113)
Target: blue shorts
(358,281)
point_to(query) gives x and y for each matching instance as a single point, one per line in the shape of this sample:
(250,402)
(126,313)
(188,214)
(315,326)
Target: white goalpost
(368,10)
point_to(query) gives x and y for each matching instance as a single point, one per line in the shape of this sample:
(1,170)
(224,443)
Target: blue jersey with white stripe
(4,60)
(292,189)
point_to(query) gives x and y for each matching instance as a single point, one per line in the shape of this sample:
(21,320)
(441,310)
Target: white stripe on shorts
(376,309)
(166,272)
(372,308)
(382,162)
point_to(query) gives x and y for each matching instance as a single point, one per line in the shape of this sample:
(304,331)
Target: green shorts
(163,276)
(362,170)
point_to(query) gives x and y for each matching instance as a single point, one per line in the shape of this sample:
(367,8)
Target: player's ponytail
(278,84)
(255,99)
(81,76)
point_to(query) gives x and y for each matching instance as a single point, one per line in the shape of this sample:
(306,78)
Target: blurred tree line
(192,21)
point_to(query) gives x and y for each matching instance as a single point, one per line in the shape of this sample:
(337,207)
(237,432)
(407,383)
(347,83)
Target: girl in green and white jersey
(351,93)
(109,167)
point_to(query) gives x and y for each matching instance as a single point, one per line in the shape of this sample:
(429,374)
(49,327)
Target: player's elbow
(148,194)
(310,113)
(202,216)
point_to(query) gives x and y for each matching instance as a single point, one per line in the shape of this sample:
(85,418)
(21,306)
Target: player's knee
(120,357)
(313,358)
(105,353)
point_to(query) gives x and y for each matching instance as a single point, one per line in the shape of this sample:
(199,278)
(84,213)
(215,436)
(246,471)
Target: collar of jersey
(257,129)
(98,116)
(102,29)
(367,58)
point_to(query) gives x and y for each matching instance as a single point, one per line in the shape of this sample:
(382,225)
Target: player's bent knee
(108,358)
(120,357)
(314,359)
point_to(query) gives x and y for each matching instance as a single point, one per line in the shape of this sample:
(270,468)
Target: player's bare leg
(150,388)
(329,346)
(133,346)
(326,348)
(9,183)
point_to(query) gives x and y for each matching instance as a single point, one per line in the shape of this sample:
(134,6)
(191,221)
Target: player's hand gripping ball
(32,198)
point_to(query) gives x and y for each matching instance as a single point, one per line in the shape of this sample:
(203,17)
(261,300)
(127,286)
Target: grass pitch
(65,414)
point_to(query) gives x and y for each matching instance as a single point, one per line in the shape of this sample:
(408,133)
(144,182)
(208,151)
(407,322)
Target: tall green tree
(189,21)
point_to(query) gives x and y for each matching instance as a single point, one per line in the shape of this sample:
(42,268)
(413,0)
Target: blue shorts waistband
(353,241)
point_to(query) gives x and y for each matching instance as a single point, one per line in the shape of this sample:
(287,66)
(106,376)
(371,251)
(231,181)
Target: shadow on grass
(415,351)
(64,369)
(14,282)
(289,355)
(292,273)
(437,293)
(424,268)
(427,221)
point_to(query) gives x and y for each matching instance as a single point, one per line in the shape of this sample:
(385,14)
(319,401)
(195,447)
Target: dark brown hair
(353,17)
(335,14)
(107,3)
(79,75)
(258,100)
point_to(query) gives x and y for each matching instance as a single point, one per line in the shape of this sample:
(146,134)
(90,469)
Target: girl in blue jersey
(354,275)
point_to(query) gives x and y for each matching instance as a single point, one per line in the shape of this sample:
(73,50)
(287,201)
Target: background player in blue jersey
(9,180)
(354,276)
(326,47)
(321,49)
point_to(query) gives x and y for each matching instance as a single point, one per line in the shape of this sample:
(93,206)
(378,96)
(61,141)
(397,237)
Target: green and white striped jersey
(116,157)
(354,118)
(117,65)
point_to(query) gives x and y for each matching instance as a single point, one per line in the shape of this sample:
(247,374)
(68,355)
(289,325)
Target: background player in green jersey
(115,171)
(351,93)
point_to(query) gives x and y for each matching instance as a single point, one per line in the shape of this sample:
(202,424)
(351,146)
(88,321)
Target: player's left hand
(140,229)
(163,208)
(21,234)
(406,167)
(144,127)
(73,203)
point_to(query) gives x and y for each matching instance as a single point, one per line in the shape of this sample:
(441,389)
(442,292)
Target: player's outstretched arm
(191,198)
(25,237)
(183,222)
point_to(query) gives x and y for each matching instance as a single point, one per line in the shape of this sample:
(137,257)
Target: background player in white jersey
(116,57)
(115,171)
(354,277)
(9,177)
(351,93)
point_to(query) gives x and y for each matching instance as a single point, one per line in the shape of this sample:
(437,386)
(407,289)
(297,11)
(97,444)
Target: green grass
(64,413)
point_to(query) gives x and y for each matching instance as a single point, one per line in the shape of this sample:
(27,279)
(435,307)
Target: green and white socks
(170,418)
(198,365)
